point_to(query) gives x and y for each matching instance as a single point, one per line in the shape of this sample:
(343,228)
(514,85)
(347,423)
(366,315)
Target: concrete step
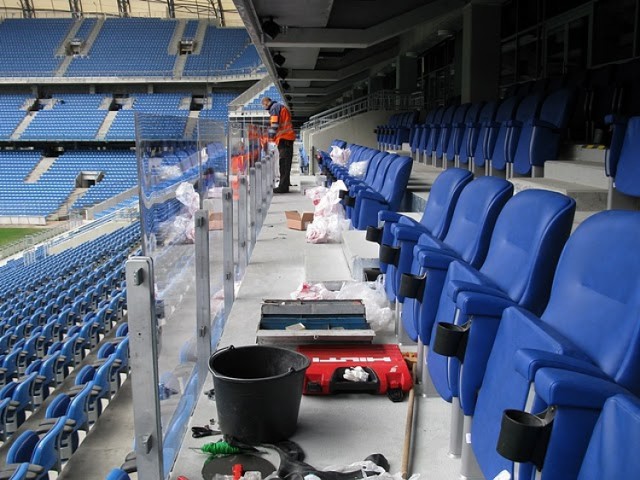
(199,37)
(178,66)
(578,171)
(580,152)
(106,125)
(41,167)
(62,48)
(325,263)
(92,37)
(172,48)
(22,126)
(359,253)
(587,198)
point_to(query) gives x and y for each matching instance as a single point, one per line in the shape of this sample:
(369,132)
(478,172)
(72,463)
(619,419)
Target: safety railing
(382,100)
(203,200)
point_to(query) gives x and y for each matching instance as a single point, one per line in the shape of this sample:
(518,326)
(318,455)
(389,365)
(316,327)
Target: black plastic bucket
(258,391)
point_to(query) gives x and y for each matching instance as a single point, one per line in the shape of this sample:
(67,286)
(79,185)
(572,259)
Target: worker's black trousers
(285,151)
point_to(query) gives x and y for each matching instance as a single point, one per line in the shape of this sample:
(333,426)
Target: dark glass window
(614,22)
(527,14)
(508,63)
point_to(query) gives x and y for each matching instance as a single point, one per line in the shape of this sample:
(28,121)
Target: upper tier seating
(29,46)
(128,46)
(220,48)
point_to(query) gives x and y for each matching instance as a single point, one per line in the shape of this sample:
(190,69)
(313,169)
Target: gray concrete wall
(358,129)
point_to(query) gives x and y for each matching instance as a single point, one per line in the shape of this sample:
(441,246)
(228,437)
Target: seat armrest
(528,361)
(389,216)
(573,389)
(455,287)
(406,233)
(485,304)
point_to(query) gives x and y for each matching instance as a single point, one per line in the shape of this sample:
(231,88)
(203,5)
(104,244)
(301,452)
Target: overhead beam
(342,73)
(27,9)
(363,38)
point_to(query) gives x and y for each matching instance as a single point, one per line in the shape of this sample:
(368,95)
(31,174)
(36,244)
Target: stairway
(63,211)
(178,67)
(106,125)
(92,37)
(22,126)
(41,167)
(62,69)
(579,174)
(192,121)
(199,37)
(172,48)
(62,48)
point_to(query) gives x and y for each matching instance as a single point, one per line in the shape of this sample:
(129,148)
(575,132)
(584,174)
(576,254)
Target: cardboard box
(215,220)
(297,220)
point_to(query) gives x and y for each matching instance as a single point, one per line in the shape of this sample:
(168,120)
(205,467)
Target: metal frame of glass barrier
(200,216)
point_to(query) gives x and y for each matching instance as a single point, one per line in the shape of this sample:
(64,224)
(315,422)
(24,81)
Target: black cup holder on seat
(412,286)
(342,194)
(374,234)
(524,437)
(389,255)
(451,340)
(349,201)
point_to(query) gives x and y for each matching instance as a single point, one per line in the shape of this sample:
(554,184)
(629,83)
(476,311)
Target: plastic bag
(186,195)
(337,155)
(316,194)
(312,291)
(378,310)
(366,467)
(327,229)
(170,172)
(329,203)
(358,169)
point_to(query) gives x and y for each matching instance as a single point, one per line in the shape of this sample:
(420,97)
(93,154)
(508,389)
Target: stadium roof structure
(223,11)
(332,46)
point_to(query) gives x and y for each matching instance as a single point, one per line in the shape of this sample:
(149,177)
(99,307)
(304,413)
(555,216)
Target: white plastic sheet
(358,169)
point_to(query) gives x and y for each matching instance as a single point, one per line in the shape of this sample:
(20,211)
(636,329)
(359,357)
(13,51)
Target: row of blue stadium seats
(123,46)
(495,284)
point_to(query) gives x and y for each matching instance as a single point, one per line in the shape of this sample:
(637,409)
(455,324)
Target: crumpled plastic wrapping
(328,216)
(339,155)
(378,311)
(316,194)
(367,467)
(356,374)
(170,171)
(182,228)
(312,291)
(358,169)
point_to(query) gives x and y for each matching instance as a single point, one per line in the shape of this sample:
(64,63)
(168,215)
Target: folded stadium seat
(370,202)
(539,138)
(435,129)
(523,251)
(38,450)
(583,349)
(447,136)
(608,454)
(403,131)
(117,474)
(467,240)
(621,163)
(509,134)
(492,132)
(437,214)
(418,132)
(373,182)
(465,136)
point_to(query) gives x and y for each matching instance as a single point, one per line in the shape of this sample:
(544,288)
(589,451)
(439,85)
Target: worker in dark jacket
(281,132)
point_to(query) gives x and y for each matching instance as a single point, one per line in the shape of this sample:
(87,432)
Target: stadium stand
(130,46)
(68,117)
(220,48)
(29,46)
(11,113)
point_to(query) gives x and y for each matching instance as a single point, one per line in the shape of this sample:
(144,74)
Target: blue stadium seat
(622,164)
(574,356)
(474,218)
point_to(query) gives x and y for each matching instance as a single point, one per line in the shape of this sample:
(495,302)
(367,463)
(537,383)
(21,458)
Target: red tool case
(388,371)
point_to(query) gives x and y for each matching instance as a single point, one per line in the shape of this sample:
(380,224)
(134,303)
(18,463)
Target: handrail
(381,100)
